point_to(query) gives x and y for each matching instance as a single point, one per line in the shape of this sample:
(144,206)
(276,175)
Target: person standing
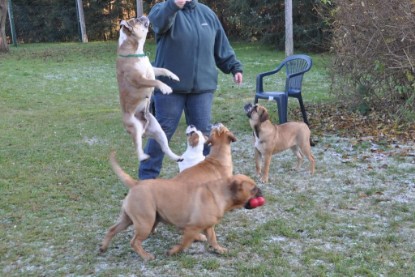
(192,44)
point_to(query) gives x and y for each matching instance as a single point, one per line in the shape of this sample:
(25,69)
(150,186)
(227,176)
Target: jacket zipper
(196,64)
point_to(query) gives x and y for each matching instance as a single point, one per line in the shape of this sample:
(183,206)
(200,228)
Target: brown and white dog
(136,82)
(194,201)
(194,151)
(218,164)
(272,138)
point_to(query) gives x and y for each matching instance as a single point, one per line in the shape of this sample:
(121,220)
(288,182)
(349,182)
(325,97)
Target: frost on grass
(355,213)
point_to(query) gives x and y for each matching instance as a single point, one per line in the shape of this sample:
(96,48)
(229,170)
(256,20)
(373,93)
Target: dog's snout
(258,192)
(143,20)
(248,109)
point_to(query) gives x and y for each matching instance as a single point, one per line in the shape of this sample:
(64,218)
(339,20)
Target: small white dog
(194,152)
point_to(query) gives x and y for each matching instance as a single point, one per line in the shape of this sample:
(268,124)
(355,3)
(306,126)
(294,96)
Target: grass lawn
(60,118)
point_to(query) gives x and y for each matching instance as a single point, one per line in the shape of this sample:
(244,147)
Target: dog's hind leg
(310,158)
(312,163)
(143,226)
(136,130)
(155,131)
(122,224)
(300,157)
(258,162)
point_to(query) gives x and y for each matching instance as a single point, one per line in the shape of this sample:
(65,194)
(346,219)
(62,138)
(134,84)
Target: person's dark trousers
(169,108)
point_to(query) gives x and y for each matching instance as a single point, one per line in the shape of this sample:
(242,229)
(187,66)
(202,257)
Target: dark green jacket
(192,44)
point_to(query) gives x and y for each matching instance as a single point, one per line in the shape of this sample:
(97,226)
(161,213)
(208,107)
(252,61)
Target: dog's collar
(133,56)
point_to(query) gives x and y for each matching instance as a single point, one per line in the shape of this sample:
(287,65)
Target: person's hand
(181,3)
(238,78)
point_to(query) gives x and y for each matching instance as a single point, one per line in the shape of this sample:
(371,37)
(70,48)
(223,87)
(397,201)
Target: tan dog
(271,139)
(216,166)
(193,207)
(194,150)
(136,82)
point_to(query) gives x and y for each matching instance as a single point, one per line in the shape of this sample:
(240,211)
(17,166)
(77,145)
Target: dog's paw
(263,180)
(147,256)
(144,157)
(174,77)
(295,168)
(200,237)
(165,89)
(175,249)
(220,250)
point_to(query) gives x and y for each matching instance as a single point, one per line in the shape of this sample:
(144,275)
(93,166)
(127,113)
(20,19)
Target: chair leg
(282,110)
(303,112)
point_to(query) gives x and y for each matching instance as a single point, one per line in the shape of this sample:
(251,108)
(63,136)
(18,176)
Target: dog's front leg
(140,81)
(266,158)
(258,158)
(189,235)
(165,72)
(136,244)
(155,131)
(211,236)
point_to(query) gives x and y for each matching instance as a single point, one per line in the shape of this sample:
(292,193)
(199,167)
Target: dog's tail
(122,175)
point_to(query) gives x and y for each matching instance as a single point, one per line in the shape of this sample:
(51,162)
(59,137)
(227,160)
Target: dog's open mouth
(248,109)
(190,130)
(256,201)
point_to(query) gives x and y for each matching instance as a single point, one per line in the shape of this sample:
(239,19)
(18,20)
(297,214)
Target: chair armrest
(260,77)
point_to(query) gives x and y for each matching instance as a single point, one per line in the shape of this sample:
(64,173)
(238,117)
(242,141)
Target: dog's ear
(263,115)
(239,191)
(235,186)
(232,137)
(125,24)
(209,141)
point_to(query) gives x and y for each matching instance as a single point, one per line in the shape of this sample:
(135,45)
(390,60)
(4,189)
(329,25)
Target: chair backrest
(296,66)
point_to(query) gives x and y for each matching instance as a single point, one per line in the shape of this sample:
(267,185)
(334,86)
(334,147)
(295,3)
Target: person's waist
(191,91)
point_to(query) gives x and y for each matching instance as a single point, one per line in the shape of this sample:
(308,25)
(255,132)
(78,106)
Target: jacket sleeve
(162,16)
(225,57)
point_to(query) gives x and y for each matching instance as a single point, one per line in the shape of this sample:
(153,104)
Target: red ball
(261,201)
(253,203)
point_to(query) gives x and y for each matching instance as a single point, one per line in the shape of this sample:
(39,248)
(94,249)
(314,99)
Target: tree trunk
(139,7)
(81,18)
(4,46)
(289,43)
